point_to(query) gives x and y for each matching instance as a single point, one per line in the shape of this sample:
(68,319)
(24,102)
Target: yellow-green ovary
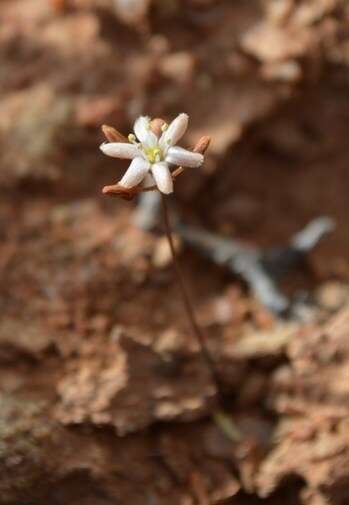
(154,154)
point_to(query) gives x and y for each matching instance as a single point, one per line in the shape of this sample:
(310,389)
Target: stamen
(164,127)
(153,154)
(131,138)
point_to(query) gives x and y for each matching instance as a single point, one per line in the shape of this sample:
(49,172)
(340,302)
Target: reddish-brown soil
(104,396)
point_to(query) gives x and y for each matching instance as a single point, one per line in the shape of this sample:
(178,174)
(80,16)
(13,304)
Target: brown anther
(156,126)
(118,190)
(202,145)
(112,135)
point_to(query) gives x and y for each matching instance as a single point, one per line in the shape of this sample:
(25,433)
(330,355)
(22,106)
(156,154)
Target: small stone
(169,342)
(132,11)
(271,43)
(278,11)
(162,252)
(286,71)
(178,66)
(333,295)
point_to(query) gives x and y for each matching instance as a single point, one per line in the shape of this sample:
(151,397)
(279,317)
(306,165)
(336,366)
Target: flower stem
(188,305)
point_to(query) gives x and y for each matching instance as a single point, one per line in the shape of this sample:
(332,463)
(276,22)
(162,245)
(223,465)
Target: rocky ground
(104,396)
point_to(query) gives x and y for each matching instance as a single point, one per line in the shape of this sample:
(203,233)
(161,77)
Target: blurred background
(104,397)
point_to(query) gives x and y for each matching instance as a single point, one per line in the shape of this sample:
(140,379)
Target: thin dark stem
(187,304)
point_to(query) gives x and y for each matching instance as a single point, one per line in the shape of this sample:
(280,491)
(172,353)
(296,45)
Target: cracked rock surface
(104,396)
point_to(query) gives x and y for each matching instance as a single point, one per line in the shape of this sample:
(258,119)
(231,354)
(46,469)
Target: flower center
(154,154)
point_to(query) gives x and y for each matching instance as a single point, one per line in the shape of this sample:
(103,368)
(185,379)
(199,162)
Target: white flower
(151,156)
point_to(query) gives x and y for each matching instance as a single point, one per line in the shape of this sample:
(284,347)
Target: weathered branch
(260,269)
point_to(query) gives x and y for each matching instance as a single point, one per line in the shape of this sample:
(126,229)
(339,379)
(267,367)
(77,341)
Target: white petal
(135,173)
(121,150)
(162,176)
(148,180)
(143,132)
(179,156)
(175,131)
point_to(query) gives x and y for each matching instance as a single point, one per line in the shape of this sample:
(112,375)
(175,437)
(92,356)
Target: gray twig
(260,269)
(147,214)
